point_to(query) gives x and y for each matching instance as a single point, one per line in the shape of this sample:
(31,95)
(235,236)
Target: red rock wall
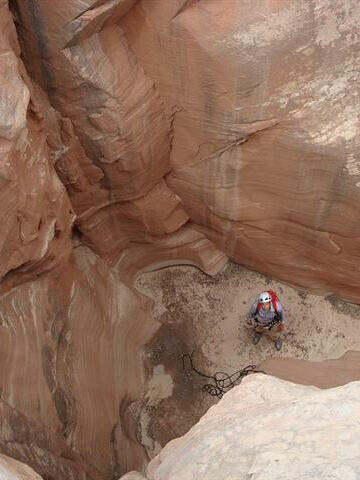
(246,111)
(81,58)
(35,212)
(71,369)
(129,118)
(265,147)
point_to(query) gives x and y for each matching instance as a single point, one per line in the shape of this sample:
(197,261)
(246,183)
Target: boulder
(267,429)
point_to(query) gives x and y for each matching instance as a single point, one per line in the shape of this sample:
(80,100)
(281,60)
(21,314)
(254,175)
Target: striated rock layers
(157,133)
(267,429)
(35,212)
(245,111)
(71,341)
(264,100)
(116,136)
(72,371)
(71,367)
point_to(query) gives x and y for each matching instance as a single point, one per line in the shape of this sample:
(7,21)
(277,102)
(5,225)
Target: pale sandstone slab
(269,429)
(11,469)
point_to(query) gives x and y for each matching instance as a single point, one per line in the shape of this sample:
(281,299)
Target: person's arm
(251,314)
(280,311)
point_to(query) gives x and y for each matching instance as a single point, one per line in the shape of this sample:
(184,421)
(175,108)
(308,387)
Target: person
(266,316)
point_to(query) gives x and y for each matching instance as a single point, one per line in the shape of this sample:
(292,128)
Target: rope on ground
(221,382)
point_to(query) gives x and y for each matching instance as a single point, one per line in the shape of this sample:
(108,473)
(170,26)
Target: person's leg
(258,331)
(273,333)
(275,336)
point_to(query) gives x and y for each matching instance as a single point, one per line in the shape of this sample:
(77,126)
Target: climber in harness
(267,316)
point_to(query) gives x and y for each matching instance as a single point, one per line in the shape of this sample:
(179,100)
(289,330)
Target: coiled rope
(221,381)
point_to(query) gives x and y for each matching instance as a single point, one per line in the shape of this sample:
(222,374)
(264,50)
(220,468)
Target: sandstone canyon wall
(36,214)
(135,134)
(71,368)
(116,163)
(71,341)
(242,116)
(264,99)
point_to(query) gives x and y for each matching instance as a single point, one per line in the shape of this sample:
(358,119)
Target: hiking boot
(256,338)
(278,344)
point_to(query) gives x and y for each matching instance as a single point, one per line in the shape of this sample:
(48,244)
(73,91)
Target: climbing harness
(222,382)
(273,322)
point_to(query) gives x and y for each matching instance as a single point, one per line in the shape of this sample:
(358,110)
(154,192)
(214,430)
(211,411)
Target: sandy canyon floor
(206,315)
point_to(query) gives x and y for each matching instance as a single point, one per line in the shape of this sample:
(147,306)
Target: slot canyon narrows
(164,162)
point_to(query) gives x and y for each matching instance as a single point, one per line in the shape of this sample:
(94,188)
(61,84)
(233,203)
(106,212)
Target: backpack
(274,299)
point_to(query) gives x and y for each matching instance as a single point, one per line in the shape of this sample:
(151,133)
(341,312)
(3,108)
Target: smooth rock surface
(267,429)
(136,117)
(264,101)
(325,374)
(242,116)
